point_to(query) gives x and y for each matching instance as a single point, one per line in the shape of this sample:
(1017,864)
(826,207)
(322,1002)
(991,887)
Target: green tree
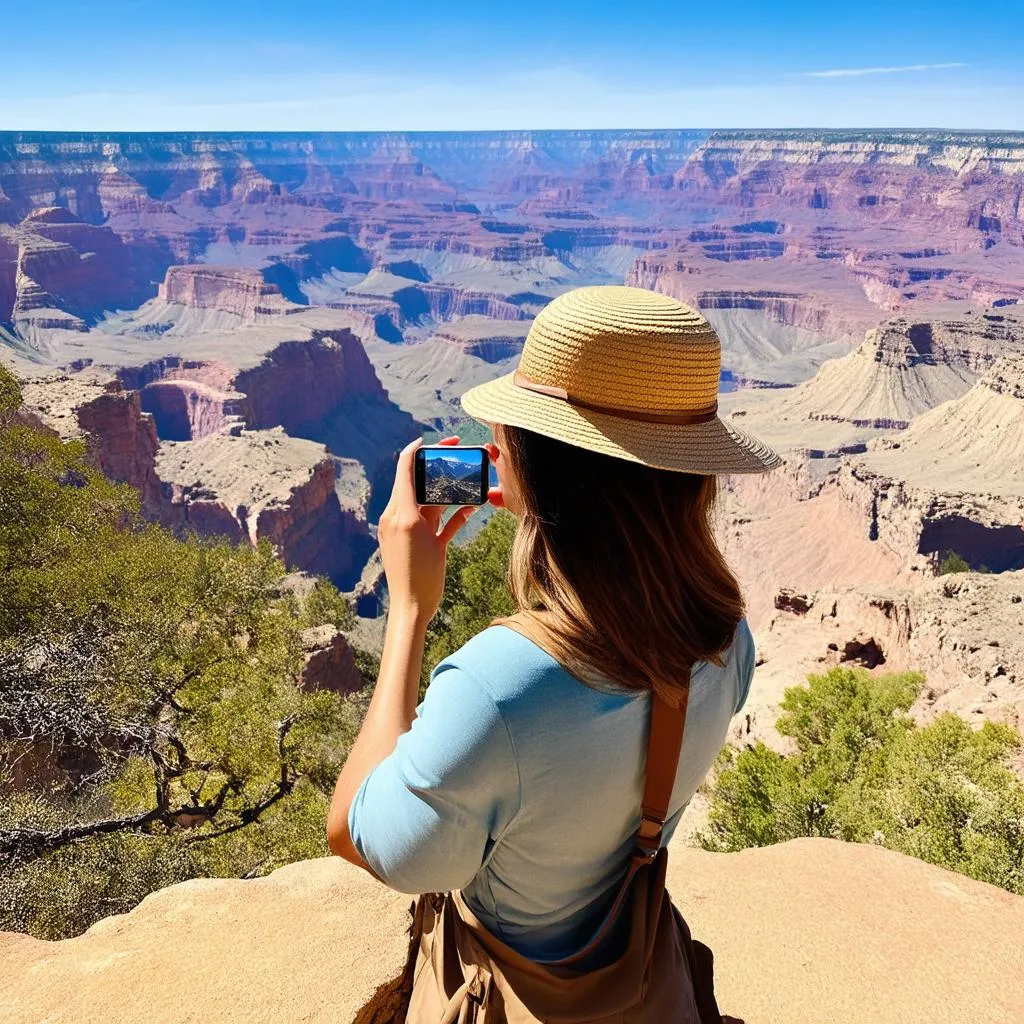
(863,771)
(475,590)
(10,394)
(952,562)
(150,715)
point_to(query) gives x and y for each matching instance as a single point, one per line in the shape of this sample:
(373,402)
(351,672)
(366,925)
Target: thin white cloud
(857,72)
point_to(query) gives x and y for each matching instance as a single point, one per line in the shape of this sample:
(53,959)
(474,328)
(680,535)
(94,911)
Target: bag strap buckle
(648,835)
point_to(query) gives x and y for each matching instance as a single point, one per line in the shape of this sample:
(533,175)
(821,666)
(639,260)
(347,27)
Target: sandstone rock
(264,484)
(964,631)
(91,404)
(237,290)
(787,600)
(954,480)
(486,338)
(842,933)
(903,369)
(330,661)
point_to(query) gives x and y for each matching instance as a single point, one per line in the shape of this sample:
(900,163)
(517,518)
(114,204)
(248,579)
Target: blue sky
(392,64)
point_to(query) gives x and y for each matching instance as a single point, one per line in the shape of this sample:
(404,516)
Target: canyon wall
(122,442)
(300,384)
(221,451)
(797,225)
(238,290)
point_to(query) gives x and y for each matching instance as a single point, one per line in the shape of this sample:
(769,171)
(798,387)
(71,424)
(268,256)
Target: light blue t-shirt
(521,786)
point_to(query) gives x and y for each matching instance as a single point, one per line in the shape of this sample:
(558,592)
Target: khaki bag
(640,967)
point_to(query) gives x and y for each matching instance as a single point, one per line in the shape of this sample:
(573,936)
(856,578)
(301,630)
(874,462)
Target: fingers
(454,439)
(495,497)
(457,521)
(403,494)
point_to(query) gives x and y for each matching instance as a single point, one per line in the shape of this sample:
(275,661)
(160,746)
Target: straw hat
(624,372)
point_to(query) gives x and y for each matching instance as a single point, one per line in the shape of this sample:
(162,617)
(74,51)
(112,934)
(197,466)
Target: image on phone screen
(450,475)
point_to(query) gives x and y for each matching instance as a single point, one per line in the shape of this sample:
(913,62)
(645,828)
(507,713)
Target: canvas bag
(640,967)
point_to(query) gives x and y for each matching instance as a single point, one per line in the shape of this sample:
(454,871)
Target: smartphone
(448,474)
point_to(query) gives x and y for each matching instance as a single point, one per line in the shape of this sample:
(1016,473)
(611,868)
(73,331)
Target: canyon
(247,328)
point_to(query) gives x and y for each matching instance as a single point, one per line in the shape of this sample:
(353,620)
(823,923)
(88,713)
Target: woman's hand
(411,546)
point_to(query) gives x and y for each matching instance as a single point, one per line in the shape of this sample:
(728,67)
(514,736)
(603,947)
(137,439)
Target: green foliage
(862,771)
(10,393)
(952,562)
(327,605)
(475,590)
(151,726)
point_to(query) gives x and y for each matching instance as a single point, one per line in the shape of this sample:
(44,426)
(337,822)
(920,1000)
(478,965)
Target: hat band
(645,415)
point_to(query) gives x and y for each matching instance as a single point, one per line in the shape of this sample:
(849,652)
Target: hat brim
(705,448)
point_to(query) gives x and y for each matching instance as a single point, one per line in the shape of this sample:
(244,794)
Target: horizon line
(503,131)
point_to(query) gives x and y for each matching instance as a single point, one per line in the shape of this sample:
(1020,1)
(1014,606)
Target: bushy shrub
(952,562)
(863,771)
(151,725)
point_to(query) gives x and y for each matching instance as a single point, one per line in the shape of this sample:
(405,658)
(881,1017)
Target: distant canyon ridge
(247,327)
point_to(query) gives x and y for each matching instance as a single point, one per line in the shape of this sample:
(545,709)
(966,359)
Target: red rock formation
(184,410)
(187,398)
(303,383)
(330,662)
(123,442)
(314,533)
(238,290)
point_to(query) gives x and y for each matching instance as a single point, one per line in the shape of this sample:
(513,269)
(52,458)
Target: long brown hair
(615,563)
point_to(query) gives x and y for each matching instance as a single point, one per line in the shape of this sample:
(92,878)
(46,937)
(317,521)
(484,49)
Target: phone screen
(451,475)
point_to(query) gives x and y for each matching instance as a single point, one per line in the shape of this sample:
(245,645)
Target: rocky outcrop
(67,272)
(330,662)
(302,383)
(792,309)
(449,303)
(122,440)
(326,389)
(240,291)
(190,937)
(963,631)
(184,410)
(903,369)
(954,480)
(486,338)
(314,533)
(221,479)
(263,484)
(187,398)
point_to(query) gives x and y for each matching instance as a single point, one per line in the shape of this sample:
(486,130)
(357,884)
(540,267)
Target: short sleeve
(426,817)
(745,659)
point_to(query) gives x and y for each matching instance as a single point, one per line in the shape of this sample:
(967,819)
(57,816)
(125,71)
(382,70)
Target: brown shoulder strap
(663,745)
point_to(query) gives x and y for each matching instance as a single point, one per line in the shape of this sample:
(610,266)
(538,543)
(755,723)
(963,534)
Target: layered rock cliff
(796,224)
(238,290)
(58,272)
(210,474)
(121,439)
(903,368)
(954,480)
(262,484)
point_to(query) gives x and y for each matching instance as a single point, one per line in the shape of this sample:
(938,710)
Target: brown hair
(615,565)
